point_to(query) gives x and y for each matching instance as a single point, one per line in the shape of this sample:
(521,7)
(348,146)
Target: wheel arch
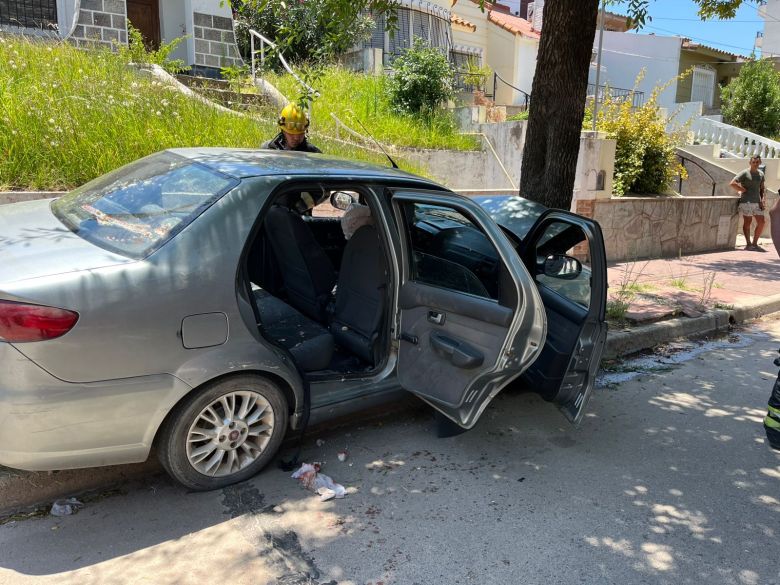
(279,381)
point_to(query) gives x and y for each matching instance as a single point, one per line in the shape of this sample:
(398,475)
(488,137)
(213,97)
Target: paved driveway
(668,480)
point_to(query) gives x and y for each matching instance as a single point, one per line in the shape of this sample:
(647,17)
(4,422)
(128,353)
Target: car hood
(512,212)
(34,243)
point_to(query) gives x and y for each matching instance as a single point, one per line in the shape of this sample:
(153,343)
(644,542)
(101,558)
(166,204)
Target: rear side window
(137,208)
(450,251)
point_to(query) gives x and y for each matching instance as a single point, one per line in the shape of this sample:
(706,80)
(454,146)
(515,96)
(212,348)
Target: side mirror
(561,266)
(341,200)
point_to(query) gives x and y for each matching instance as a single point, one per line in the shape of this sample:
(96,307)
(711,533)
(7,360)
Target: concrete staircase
(219,91)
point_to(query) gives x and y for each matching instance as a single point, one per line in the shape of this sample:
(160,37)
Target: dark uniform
(277,143)
(772,420)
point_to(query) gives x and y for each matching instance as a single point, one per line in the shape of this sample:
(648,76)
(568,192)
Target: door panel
(453,353)
(575,307)
(471,318)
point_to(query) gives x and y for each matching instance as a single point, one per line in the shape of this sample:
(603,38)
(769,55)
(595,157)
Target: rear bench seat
(310,344)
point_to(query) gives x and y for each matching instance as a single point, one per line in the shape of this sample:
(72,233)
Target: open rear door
(565,254)
(471,318)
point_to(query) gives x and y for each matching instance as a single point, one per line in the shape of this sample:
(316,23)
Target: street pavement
(667,480)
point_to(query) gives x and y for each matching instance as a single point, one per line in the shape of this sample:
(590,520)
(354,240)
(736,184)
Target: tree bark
(558,102)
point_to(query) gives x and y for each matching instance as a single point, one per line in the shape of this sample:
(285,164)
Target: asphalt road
(668,480)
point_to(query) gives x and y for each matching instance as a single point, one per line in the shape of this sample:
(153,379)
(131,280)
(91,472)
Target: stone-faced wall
(664,227)
(215,42)
(101,22)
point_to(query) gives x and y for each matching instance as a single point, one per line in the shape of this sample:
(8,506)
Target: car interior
(320,277)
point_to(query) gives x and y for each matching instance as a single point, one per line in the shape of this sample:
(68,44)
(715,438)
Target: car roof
(246,162)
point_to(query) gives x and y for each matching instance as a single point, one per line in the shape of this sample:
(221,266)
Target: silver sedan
(204,301)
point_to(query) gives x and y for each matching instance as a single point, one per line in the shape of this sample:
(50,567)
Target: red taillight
(23,322)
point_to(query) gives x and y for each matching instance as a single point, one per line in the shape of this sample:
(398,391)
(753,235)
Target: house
(208,25)
(768,40)
(661,59)
(470,36)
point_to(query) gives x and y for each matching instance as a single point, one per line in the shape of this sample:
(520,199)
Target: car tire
(224,433)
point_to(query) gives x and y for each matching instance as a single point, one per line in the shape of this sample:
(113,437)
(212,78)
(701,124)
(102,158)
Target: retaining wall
(664,227)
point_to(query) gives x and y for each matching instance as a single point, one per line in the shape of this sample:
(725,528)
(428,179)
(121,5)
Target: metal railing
(525,97)
(465,81)
(253,34)
(680,180)
(616,93)
(23,13)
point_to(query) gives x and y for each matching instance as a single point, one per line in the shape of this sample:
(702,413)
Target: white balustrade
(732,140)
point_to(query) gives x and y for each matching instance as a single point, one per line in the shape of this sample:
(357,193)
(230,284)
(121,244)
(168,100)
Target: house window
(39,14)
(703,88)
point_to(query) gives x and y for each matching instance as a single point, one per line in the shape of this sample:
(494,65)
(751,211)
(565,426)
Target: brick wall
(101,22)
(215,42)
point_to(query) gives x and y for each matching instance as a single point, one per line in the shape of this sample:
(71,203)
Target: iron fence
(637,98)
(41,14)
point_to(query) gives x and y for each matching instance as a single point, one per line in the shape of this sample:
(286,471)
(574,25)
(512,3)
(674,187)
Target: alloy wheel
(230,433)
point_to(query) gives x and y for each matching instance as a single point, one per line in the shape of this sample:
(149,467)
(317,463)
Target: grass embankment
(352,96)
(69,115)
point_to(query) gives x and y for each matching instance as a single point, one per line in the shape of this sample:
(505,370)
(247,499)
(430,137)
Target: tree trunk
(558,102)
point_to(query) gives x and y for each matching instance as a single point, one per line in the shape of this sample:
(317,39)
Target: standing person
(293,123)
(752,201)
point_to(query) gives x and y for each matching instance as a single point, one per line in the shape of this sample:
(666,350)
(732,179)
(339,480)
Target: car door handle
(461,354)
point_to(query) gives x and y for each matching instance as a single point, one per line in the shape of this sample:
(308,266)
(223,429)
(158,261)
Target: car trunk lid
(34,243)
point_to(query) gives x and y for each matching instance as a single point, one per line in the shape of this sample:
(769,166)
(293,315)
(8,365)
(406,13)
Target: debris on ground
(65,507)
(342,455)
(310,477)
(319,442)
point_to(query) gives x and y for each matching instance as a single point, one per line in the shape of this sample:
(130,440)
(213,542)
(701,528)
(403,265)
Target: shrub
(645,158)
(752,100)
(422,79)
(310,31)
(136,52)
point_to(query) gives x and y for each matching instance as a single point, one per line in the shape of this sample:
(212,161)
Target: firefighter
(293,123)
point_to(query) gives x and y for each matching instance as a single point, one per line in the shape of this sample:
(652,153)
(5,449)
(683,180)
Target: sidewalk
(653,302)
(654,290)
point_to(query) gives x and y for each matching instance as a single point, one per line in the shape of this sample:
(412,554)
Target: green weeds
(69,115)
(352,96)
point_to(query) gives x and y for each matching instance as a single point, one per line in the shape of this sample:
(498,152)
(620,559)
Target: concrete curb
(621,343)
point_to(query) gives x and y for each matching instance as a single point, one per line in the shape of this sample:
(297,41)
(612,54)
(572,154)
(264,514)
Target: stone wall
(101,22)
(664,227)
(215,41)
(721,171)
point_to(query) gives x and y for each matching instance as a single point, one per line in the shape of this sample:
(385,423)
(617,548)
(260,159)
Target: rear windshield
(137,208)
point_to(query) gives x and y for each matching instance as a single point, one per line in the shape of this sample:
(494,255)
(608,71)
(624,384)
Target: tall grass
(69,115)
(352,96)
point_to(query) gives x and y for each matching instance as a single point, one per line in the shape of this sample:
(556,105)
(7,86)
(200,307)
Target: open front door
(565,254)
(471,319)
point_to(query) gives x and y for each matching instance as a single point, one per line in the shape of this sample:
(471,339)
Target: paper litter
(313,480)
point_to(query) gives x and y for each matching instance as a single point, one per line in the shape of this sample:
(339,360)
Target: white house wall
(502,58)
(624,55)
(471,12)
(528,50)
(770,44)
(174,24)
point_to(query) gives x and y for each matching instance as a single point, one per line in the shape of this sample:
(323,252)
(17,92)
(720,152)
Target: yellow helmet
(293,119)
